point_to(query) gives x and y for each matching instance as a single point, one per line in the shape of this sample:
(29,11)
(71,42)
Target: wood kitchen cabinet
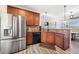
(66,39)
(36,18)
(29,38)
(50,38)
(21,12)
(47,37)
(29,20)
(17,11)
(32,17)
(12,10)
(59,40)
(62,40)
(43,37)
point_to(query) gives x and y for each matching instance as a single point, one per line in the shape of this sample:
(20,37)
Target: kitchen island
(56,37)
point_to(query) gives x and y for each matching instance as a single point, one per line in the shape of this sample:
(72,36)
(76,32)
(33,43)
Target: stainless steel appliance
(17,26)
(15,34)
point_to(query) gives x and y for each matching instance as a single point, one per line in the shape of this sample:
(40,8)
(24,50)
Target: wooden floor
(36,49)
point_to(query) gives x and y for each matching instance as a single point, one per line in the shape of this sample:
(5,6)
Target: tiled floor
(36,49)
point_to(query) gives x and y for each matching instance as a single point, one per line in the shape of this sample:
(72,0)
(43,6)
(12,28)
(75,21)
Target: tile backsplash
(33,28)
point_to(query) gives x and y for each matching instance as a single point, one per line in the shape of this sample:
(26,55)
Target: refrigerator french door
(22,26)
(17,26)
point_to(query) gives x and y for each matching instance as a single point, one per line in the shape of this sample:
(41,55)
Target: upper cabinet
(12,10)
(32,17)
(36,18)
(17,11)
(29,20)
(21,12)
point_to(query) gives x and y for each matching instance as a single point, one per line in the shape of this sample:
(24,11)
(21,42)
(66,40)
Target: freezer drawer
(5,46)
(9,46)
(22,45)
(15,46)
(12,46)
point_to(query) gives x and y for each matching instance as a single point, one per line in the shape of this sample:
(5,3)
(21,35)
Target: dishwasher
(36,37)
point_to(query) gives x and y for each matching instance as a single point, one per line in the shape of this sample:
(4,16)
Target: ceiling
(54,10)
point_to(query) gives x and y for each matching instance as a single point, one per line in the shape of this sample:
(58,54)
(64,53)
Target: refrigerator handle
(10,31)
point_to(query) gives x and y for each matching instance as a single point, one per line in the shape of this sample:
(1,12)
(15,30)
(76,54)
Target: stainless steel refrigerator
(16,33)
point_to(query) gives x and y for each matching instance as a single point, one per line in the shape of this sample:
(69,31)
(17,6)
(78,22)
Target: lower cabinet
(47,37)
(29,38)
(51,38)
(66,39)
(59,40)
(62,40)
(43,37)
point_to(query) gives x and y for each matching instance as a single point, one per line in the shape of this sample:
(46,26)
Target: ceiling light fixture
(65,12)
(71,16)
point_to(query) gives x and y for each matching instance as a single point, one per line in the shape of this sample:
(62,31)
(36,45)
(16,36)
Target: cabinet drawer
(59,40)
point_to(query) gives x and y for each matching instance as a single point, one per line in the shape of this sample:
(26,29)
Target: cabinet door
(36,19)
(29,20)
(59,40)
(29,38)
(67,40)
(43,37)
(21,12)
(12,10)
(50,38)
